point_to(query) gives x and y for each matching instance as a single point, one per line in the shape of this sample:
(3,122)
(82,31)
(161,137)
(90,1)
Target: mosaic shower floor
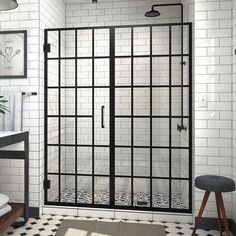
(123,199)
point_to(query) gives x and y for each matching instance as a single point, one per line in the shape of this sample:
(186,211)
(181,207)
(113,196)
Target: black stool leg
(197,222)
(222,208)
(218,212)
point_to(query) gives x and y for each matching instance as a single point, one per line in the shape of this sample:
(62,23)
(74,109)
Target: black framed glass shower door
(113,99)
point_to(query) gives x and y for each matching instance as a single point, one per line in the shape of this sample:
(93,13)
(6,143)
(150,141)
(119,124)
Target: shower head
(152,13)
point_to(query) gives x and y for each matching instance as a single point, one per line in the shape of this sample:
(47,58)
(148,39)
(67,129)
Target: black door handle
(102,117)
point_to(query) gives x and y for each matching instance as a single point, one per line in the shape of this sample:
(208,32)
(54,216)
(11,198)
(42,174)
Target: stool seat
(214,183)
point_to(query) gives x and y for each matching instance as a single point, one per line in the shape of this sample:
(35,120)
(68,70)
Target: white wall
(25,17)
(33,16)
(213,79)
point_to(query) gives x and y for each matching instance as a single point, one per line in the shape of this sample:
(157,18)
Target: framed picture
(13,54)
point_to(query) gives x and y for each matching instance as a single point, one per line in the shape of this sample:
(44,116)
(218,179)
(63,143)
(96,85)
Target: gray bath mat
(101,228)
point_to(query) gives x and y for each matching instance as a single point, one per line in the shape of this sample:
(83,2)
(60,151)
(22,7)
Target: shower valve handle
(102,117)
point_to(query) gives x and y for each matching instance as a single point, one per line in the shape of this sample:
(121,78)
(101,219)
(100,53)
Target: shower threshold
(141,199)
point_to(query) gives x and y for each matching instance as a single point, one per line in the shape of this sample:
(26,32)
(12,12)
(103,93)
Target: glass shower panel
(180,163)
(67,189)
(160,102)
(141,70)
(142,41)
(68,159)
(84,131)
(102,116)
(160,71)
(176,39)
(176,71)
(123,192)
(67,48)
(53,37)
(84,160)
(84,72)
(84,189)
(141,132)
(84,101)
(101,42)
(101,191)
(67,101)
(53,160)
(101,161)
(123,41)
(123,161)
(160,132)
(53,73)
(160,193)
(123,102)
(160,162)
(141,193)
(53,192)
(176,101)
(123,72)
(68,136)
(123,131)
(84,43)
(102,72)
(52,133)
(160,40)
(93,113)
(141,163)
(53,103)
(180,194)
(67,72)
(141,101)
(180,139)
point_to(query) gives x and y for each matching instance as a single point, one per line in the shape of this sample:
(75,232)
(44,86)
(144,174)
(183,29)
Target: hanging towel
(5,209)
(4,199)
(12,120)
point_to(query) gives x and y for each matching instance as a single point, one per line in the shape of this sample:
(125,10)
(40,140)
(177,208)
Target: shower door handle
(102,117)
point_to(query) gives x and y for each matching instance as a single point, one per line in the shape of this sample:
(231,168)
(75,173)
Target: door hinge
(46,184)
(47,47)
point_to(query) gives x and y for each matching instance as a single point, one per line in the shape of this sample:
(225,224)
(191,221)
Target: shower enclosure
(114,99)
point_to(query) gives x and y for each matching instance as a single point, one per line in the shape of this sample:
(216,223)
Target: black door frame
(112,87)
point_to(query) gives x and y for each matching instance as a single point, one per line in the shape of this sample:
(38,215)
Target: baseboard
(212,224)
(34,212)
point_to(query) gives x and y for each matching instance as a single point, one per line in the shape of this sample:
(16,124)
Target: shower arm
(181,126)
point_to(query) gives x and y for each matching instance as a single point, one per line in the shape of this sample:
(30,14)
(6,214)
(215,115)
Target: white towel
(4,199)
(12,120)
(5,209)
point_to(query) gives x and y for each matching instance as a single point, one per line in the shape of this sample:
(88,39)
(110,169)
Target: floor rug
(101,228)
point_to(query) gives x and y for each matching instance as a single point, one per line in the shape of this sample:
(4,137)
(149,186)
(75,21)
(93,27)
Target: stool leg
(222,207)
(203,205)
(218,212)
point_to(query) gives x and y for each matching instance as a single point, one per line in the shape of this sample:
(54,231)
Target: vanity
(18,209)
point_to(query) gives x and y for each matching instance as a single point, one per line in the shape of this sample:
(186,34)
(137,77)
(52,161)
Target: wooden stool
(218,185)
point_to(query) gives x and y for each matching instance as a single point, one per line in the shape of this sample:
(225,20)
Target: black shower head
(152,13)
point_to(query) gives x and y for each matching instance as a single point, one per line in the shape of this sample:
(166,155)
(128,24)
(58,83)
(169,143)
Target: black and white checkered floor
(47,225)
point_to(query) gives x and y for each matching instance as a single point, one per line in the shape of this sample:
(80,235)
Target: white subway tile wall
(213,80)
(33,16)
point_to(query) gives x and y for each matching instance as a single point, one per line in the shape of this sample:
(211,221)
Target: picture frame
(13,54)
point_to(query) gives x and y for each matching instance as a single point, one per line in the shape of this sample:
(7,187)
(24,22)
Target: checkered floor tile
(47,225)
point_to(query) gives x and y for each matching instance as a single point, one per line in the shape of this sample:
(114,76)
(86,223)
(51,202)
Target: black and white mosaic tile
(48,225)
(123,199)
